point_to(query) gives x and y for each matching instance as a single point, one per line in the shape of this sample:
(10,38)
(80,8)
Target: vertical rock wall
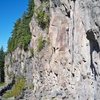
(68,68)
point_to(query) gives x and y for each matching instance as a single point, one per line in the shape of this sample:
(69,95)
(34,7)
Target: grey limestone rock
(69,67)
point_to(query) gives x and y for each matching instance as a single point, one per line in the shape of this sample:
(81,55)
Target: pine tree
(21,35)
(31,6)
(2,54)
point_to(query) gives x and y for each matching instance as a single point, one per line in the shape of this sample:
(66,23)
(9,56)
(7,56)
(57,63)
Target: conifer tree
(2,54)
(21,35)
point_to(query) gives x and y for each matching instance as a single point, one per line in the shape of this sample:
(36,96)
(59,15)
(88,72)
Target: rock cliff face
(68,66)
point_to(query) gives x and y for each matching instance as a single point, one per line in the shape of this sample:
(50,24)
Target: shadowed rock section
(94,46)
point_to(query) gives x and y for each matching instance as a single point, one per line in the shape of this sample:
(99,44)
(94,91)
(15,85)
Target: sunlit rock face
(68,68)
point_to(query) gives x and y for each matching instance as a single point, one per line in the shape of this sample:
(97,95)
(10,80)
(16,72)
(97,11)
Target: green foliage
(17,89)
(31,8)
(2,84)
(42,17)
(32,51)
(2,56)
(41,43)
(21,35)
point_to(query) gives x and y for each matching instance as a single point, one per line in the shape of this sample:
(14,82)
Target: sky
(10,11)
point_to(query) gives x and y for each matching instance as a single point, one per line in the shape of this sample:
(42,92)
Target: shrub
(42,17)
(17,89)
(32,51)
(41,43)
(2,84)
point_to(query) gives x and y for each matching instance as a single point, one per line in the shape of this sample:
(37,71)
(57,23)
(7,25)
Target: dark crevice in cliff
(94,46)
(67,11)
(97,25)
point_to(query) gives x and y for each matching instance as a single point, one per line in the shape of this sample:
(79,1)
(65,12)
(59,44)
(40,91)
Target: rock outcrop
(68,66)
